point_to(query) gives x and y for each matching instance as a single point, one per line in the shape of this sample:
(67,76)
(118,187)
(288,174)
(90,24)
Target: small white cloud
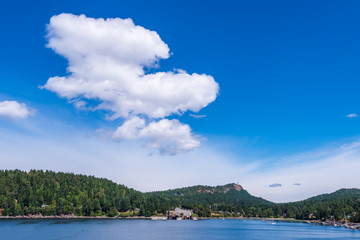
(14,109)
(352,115)
(197,115)
(169,137)
(275,185)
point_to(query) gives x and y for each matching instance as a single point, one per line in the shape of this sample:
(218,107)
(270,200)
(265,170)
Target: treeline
(50,193)
(340,205)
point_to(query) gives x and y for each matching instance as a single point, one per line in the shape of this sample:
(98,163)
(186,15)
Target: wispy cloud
(352,115)
(319,171)
(329,169)
(90,155)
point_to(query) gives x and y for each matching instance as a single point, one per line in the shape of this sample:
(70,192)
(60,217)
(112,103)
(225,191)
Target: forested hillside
(337,205)
(231,198)
(50,193)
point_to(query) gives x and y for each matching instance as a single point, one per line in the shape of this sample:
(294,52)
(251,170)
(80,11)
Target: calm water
(147,229)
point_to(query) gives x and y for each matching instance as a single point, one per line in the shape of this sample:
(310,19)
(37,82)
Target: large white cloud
(14,109)
(107,58)
(106,63)
(168,136)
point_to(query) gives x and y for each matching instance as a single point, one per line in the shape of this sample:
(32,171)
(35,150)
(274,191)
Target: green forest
(56,193)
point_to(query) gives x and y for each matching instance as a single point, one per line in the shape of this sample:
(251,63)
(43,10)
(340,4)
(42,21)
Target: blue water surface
(147,229)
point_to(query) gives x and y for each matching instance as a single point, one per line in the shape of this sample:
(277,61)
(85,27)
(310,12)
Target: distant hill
(344,194)
(230,197)
(57,193)
(343,202)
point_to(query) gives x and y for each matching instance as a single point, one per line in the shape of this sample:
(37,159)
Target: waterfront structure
(179,213)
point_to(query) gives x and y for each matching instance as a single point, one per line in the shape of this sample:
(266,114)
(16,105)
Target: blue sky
(287,73)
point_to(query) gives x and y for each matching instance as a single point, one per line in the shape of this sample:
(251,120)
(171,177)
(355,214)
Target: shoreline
(69,217)
(266,219)
(150,218)
(350,225)
(142,217)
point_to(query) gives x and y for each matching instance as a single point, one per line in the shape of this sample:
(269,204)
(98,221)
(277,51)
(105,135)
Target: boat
(158,218)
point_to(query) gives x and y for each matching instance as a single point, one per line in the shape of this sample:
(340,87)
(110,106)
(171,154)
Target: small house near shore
(179,213)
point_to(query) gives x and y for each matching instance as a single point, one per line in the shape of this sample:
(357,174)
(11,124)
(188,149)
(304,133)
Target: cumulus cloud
(14,109)
(106,63)
(352,115)
(107,58)
(275,185)
(168,136)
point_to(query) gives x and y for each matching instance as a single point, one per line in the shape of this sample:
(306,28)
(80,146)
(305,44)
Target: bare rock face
(219,189)
(237,187)
(226,190)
